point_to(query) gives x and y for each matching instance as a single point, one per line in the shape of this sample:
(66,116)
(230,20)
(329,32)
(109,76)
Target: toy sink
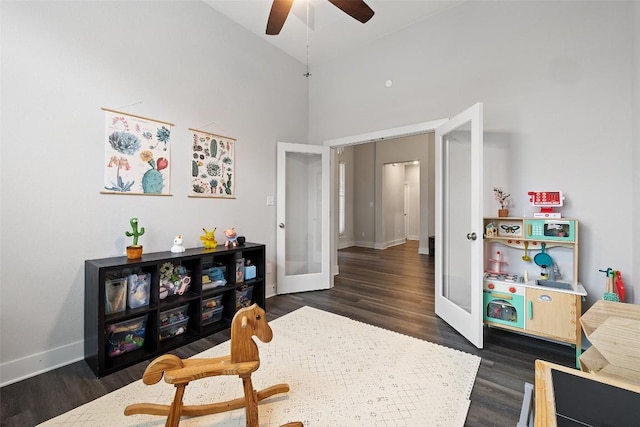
(553,284)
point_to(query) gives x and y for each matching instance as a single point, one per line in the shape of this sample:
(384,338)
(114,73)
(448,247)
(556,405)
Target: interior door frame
(380,135)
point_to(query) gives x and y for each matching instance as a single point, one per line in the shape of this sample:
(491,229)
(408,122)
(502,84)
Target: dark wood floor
(392,288)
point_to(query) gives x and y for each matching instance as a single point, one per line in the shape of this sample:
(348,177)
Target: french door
(303,218)
(458,263)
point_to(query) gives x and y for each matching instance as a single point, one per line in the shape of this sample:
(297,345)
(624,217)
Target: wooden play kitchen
(531,282)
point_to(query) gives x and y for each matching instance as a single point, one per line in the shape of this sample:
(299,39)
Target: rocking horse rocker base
(244,360)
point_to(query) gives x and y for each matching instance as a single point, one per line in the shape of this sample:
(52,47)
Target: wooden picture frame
(137,155)
(212,165)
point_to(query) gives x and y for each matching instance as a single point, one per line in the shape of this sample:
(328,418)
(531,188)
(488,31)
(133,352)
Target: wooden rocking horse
(243,360)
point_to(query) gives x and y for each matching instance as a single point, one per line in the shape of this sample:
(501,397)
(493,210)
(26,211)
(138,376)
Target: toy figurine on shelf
(174,280)
(177,245)
(134,251)
(232,237)
(209,239)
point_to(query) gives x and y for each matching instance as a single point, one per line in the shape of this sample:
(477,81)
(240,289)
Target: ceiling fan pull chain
(307,74)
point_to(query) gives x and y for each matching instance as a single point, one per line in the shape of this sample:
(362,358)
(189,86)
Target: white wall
(178,61)
(364,226)
(556,82)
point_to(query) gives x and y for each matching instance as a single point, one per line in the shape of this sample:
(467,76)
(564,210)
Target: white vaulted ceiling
(331,32)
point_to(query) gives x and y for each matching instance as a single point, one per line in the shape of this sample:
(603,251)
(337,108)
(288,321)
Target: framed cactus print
(212,165)
(137,155)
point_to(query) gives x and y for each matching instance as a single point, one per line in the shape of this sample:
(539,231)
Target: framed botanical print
(212,165)
(137,154)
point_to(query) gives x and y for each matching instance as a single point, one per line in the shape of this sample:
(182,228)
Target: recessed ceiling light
(388,83)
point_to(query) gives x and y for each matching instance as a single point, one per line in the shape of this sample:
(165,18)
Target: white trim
(399,132)
(35,364)
(363,244)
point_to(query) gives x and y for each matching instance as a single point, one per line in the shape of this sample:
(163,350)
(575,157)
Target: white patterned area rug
(341,373)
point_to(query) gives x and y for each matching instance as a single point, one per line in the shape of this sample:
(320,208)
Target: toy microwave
(550,229)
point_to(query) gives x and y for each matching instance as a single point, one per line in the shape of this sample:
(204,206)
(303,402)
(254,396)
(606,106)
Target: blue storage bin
(250,272)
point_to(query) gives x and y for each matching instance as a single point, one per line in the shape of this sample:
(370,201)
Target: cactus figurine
(134,251)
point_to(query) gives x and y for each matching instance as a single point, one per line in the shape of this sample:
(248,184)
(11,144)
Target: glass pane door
(303,245)
(458,298)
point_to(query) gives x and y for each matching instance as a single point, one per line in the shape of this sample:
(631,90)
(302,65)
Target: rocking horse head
(247,322)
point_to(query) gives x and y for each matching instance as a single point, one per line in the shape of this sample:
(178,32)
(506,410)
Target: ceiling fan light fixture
(280,9)
(278,15)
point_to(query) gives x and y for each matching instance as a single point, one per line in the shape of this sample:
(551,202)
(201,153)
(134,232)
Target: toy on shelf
(490,230)
(174,280)
(213,277)
(232,237)
(177,245)
(134,251)
(126,336)
(209,239)
(614,287)
(619,285)
(546,200)
(496,265)
(138,287)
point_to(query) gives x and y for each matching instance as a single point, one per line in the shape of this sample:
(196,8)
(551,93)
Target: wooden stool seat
(243,361)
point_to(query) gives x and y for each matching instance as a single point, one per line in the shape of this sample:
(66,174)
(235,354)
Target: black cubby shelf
(133,335)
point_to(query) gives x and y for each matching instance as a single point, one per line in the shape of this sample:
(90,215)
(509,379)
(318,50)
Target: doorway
(400,203)
(371,222)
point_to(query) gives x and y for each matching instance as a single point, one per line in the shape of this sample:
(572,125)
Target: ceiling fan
(357,9)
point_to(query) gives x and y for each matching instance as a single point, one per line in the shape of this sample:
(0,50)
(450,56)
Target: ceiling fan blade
(357,9)
(279,12)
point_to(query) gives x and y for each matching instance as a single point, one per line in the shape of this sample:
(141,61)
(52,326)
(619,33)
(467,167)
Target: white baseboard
(270,290)
(345,244)
(30,366)
(363,244)
(389,244)
(423,250)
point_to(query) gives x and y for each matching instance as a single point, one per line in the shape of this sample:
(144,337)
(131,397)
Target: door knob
(281,225)
(472,236)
